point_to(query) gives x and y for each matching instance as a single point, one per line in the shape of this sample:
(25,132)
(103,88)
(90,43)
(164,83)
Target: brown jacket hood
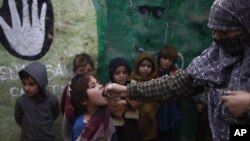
(135,73)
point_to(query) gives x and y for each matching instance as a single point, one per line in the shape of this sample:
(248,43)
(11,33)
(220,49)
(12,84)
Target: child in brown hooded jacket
(145,69)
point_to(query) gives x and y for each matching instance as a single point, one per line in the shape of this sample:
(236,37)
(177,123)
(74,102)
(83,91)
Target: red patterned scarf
(99,127)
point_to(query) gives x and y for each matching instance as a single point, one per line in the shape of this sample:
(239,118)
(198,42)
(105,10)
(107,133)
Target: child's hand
(116,107)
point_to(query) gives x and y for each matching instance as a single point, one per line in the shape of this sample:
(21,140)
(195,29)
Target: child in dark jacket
(168,114)
(124,112)
(37,109)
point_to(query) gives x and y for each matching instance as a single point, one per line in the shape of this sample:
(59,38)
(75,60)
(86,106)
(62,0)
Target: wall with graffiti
(53,31)
(41,30)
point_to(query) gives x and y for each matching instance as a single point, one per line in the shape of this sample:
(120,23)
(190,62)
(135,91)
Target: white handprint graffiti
(26,35)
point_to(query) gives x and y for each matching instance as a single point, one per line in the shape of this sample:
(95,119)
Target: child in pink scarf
(92,121)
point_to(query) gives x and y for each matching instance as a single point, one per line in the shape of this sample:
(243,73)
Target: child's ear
(84,102)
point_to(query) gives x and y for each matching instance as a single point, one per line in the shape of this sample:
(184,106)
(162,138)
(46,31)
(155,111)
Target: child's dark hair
(24,75)
(82,60)
(115,63)
(79,86)
(169,52)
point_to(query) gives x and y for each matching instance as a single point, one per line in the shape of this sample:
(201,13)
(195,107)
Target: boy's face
(165,63)
(120,75)
(30,87)
(85,69)
(95,91)
(145,68)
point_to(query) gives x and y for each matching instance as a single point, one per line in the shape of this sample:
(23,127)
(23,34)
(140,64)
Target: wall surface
(74,32)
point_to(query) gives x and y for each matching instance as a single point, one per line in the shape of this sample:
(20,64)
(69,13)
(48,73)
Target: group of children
(222,70)
(88,114)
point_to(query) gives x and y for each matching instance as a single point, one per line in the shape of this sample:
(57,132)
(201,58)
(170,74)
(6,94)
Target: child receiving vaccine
(82,63)
(92,120)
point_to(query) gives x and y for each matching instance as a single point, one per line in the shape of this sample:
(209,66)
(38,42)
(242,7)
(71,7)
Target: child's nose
(122,74)
(25,87)
(100,85)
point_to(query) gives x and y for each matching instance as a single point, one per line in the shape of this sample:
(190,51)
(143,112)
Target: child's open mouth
(103,93)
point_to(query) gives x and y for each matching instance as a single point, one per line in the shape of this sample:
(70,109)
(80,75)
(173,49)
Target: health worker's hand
(237,102)
(113,90)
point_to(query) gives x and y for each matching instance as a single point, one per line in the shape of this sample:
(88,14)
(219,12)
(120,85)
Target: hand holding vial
(114,90)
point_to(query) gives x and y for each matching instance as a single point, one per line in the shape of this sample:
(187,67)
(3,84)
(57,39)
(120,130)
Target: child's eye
(125,72)
(91,85)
